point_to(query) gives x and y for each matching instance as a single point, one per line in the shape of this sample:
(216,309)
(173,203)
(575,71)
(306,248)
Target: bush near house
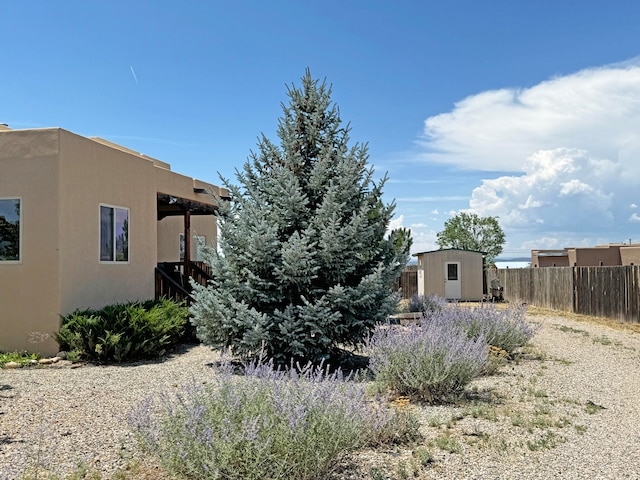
(21,358)
(123,332)
(426,304)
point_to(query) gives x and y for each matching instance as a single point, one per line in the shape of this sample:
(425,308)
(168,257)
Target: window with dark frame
(114,234)
(9,229)
(452,271)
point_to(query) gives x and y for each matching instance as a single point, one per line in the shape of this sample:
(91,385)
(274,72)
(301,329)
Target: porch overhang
(171,206)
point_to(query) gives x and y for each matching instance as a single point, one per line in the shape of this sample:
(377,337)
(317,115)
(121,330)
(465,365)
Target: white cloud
(435,212)
(560,189)
(395,223)
(572,145)
(546,243)
(424,239)
(574,187)
(597,110)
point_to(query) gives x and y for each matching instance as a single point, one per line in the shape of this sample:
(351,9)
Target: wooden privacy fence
(407,283)
(612,292)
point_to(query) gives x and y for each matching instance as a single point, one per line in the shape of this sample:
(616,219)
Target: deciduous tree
(468,231)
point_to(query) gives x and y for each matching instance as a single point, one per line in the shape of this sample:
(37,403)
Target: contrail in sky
(133,72)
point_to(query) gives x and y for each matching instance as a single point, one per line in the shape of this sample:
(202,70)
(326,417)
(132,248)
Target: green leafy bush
(22,358)
(124,332)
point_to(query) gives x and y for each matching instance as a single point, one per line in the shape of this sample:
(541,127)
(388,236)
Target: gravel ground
(581,378)
(568,408)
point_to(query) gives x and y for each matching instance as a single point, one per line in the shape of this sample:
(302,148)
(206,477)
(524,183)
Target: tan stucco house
(451,273)
(608,255)
(85,223)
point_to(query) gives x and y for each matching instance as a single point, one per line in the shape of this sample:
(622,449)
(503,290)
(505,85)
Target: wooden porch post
(187,245)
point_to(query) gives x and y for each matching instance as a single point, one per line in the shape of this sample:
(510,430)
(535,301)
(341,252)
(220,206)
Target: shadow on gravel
(487,396)
(175,351)
(5,388)
(349,363)
(6,439)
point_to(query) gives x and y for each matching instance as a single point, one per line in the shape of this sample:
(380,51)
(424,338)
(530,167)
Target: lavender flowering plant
(426,304)
(268,423)
(505,329)
(432,361)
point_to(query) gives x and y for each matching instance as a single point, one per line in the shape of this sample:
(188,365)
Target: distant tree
(468,231)
(9,239)
(305,265)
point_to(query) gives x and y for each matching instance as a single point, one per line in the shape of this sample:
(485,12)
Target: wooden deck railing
(171,281)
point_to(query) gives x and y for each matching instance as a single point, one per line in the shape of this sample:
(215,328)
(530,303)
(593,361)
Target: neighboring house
(613,254)
(549,258)
(84,223)
(452,274)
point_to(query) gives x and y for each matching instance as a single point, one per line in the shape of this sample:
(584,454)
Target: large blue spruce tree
(304,266)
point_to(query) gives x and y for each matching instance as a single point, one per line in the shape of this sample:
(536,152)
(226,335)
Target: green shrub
(124,332)
(23,358)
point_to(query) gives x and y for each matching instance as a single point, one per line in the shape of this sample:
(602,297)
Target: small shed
(451,273)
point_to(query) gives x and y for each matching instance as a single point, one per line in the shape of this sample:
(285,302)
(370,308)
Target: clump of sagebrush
(305,263)
(432,361)
(124,331)
(506,329)
(267,424)
(426,304)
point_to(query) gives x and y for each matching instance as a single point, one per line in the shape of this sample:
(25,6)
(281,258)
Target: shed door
(452,282)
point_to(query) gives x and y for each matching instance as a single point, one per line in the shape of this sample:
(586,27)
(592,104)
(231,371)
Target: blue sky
(528,111)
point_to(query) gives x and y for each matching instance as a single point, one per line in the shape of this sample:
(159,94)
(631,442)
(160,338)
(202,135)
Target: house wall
(29,295)
(432,265)
(549,258)
(551,261)
(92,174)
(62,179)
(630,255)
(170,228)
(595,256)
(173,183)
(432,268)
